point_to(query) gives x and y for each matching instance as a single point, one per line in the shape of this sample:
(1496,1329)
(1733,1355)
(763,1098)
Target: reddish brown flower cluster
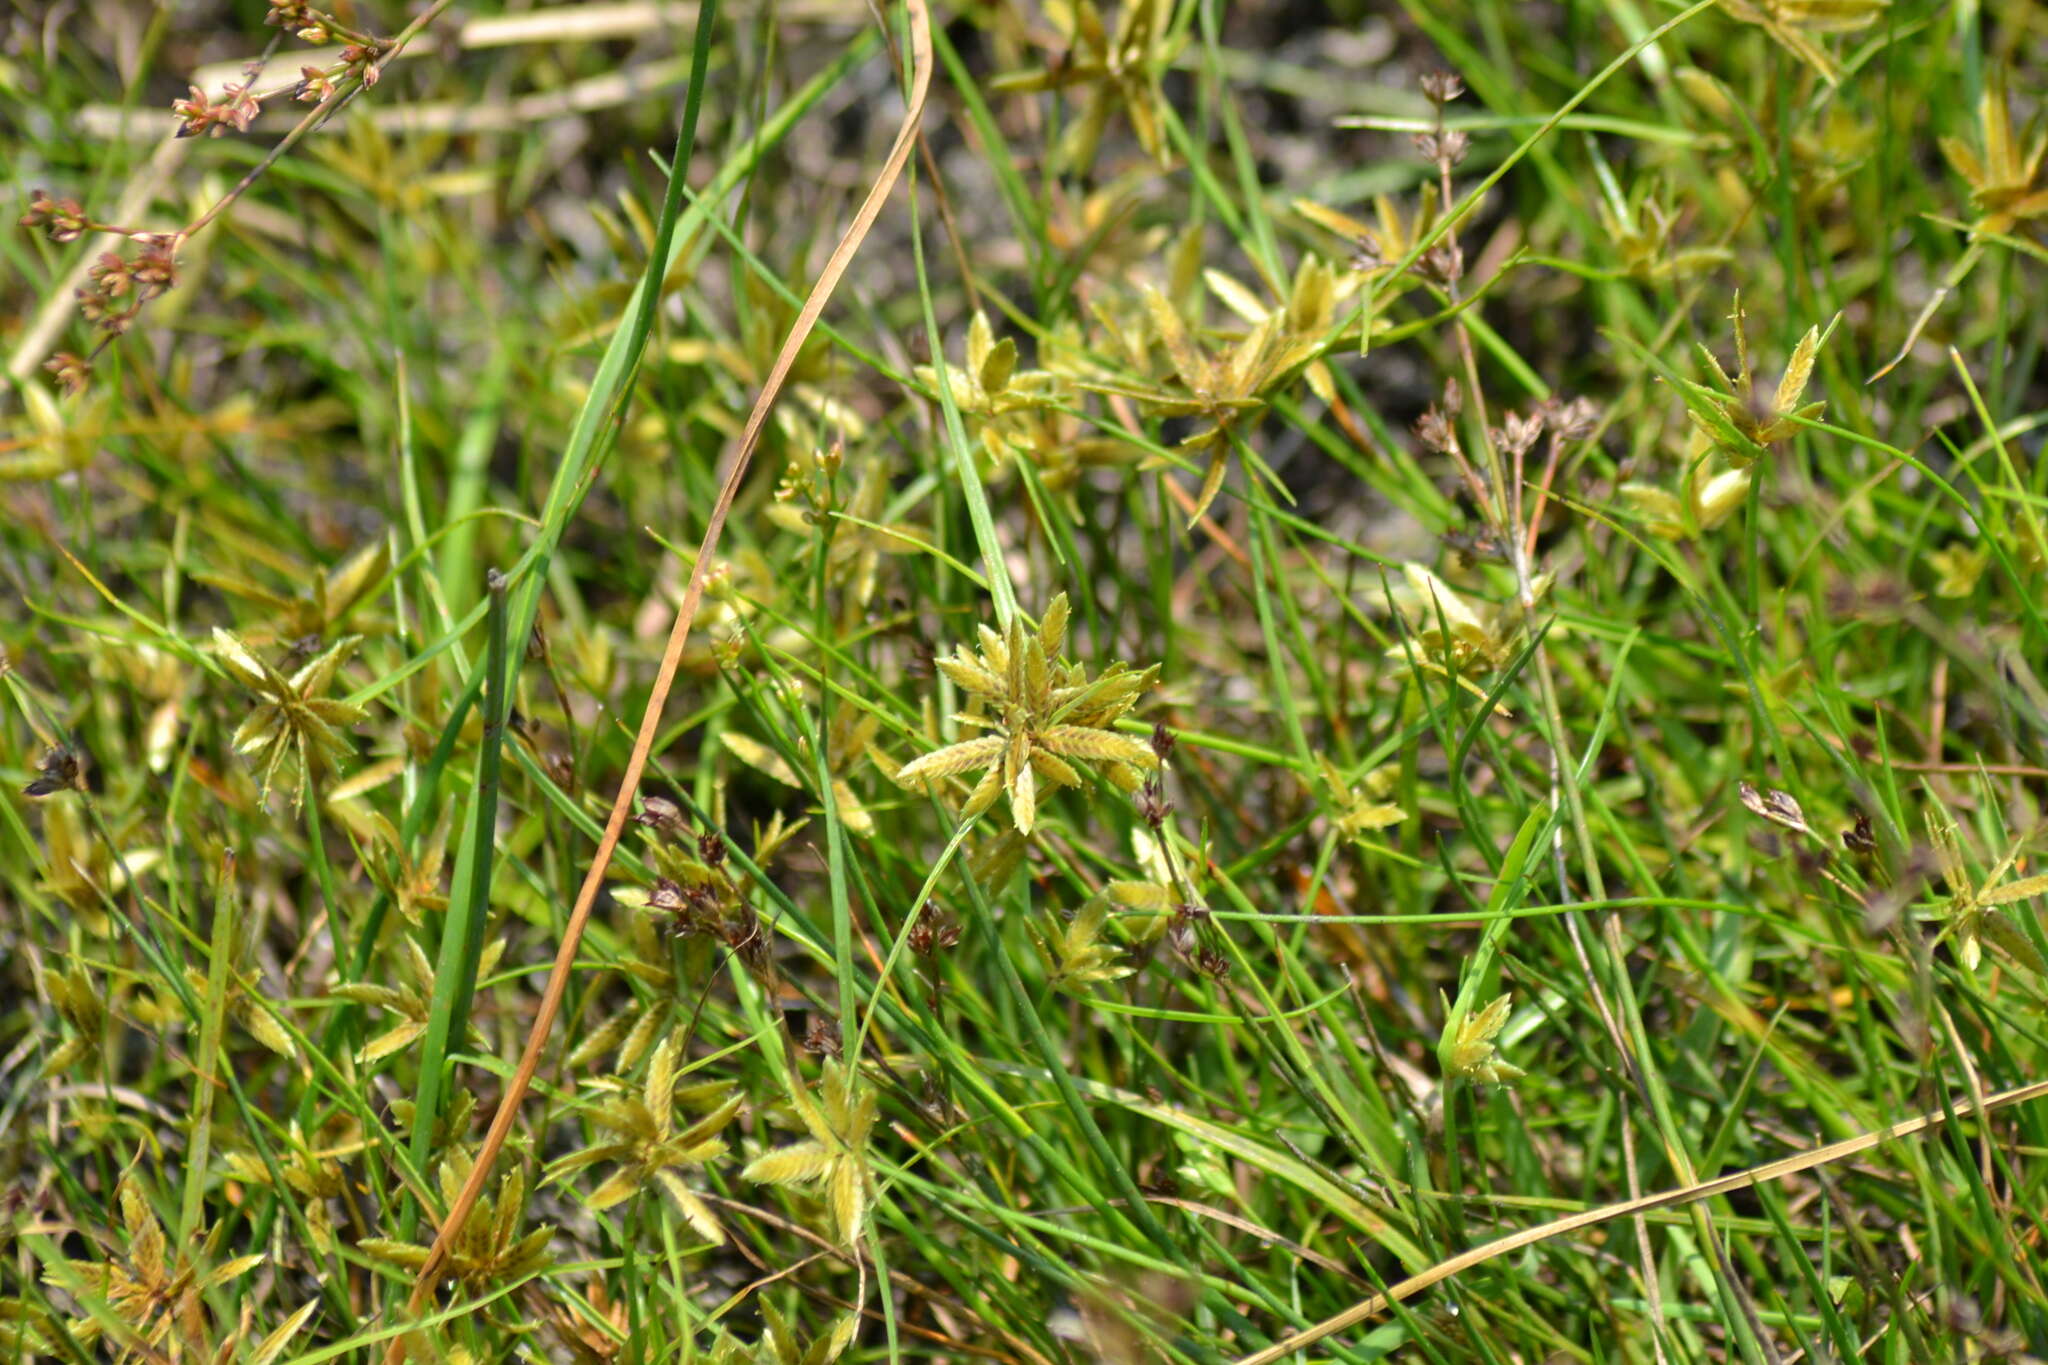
(1153,807)
(71,371)
(299,19)
(119,287)
(1441,87)
(821,1039)
(199,115)
(1184,934)
(62,769)
(116,287)
(314,85)
(62,220)
(1437,428)
(151,272)
(361,61)
(932,932)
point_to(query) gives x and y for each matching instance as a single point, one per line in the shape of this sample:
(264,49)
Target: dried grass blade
(650,722)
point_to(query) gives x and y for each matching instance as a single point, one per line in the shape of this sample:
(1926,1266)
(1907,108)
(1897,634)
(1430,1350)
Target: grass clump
(1507,836)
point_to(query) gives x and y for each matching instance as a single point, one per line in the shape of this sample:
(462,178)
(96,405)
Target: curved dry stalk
(650,719)
(1667,1199)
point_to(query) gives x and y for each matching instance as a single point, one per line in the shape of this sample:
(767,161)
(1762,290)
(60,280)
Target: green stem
(469,896)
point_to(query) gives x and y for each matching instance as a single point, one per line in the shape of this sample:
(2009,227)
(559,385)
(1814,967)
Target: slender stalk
(469,898)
